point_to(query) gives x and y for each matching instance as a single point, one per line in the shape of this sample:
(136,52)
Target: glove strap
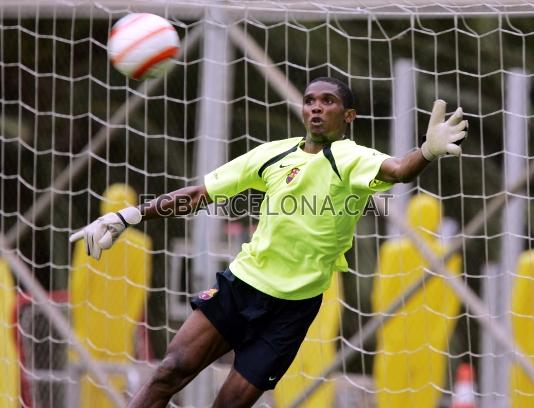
(426,152)
(130,216)
(126,225)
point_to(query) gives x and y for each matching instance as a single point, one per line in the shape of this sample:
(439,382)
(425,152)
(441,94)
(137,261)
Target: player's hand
(444,137)
(104,231)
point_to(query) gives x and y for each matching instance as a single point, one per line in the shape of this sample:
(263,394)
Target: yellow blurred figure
(521,386)
(108,296)
(9,367)
(316,353)
(412,347)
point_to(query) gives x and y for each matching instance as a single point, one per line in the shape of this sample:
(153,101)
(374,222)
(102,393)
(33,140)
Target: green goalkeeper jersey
(307,218)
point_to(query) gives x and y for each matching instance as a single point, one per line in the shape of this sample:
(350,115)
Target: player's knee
(174,370)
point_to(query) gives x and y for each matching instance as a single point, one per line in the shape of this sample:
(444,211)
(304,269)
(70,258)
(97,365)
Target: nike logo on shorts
(272,378)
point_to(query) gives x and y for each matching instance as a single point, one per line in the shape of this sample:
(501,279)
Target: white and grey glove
(104,231)
(444,137)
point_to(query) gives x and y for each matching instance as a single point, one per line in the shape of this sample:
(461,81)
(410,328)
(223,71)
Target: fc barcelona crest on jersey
(292,174)
(208,294)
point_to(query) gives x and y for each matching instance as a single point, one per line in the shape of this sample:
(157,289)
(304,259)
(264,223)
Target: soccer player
(262,305)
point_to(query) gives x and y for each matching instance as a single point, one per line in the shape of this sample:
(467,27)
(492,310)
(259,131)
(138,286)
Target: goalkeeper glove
(104,231)
(444,137)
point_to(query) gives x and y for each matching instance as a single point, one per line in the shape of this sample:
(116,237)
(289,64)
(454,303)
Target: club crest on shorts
(292,174)
(207,294)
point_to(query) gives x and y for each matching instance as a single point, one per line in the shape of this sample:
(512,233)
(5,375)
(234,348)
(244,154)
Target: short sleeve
(366,166)
(234,177)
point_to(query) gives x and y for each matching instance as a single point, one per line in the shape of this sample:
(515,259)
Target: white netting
(71,126)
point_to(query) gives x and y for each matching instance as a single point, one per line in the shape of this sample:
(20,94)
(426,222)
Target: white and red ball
(143,45)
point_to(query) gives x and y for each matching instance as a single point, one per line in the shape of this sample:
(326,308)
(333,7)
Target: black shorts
(265,332)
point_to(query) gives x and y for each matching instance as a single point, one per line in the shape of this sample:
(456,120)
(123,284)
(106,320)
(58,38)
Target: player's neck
(314,146)
(311,147)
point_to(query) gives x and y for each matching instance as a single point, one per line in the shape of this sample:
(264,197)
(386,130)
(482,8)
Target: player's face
(324,115)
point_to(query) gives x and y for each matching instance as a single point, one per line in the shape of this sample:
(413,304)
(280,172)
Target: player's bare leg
(195,346)
(237,392)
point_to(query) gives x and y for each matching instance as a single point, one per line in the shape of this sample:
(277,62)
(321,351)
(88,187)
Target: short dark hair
(347,97)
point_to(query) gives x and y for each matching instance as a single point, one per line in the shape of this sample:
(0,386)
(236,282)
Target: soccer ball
(143,45)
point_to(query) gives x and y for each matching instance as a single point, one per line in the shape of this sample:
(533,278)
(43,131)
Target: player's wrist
(427,154)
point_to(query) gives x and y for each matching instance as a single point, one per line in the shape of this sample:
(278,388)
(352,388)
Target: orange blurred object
(464,387)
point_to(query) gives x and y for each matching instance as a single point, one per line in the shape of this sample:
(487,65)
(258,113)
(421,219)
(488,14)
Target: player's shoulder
(348,146)
(348,150)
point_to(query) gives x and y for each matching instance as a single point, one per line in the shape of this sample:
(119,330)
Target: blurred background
(71,126)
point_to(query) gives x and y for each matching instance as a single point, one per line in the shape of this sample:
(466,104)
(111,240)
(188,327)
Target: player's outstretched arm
(104,231)
(442,137)
(184,201)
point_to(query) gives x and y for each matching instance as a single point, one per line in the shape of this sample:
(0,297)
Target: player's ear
(350,115)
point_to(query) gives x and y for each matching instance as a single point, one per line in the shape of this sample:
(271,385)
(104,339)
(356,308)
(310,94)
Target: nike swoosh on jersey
(282,166)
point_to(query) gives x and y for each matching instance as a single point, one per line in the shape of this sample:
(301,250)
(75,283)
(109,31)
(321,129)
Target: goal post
(71,126)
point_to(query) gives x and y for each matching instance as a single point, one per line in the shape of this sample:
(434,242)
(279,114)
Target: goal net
(436,307)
